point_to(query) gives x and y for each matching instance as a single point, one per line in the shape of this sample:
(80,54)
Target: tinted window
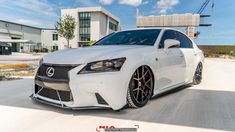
(133,37)
(184,41)
(169,34)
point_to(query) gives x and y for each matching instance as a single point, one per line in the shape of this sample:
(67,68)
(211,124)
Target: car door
(170,63)
(186,46)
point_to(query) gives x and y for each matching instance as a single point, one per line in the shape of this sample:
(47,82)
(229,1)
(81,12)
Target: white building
(93,23)
(50,39)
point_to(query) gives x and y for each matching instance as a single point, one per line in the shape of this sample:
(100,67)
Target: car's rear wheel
(198,75)
(140,87)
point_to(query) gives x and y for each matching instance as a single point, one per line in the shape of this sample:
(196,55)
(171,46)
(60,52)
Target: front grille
(60,71)
(52,94)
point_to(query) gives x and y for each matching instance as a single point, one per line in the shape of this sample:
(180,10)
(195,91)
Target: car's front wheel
(140,87)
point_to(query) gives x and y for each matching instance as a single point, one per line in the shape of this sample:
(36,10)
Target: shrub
(13,66)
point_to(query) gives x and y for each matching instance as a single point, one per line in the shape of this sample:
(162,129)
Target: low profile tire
(198,75)
(140,87)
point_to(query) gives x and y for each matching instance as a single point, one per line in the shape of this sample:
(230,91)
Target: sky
(45,13)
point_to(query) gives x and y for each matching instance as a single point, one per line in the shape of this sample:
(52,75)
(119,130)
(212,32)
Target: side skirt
(170,88)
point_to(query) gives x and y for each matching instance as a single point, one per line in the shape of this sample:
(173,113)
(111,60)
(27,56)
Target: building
(19,35)
(24,38)
(93,23)
(50,39)
(175,20)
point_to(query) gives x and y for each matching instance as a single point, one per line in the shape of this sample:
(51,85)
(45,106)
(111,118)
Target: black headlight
(103,66)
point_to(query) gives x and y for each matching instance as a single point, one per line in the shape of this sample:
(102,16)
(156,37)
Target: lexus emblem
(50,71)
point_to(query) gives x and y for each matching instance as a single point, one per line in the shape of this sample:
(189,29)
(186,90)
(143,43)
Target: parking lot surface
(209,106)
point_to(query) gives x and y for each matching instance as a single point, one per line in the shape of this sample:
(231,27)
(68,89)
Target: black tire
(198,75)
(140,87)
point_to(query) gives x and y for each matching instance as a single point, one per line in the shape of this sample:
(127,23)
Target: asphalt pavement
(209,106)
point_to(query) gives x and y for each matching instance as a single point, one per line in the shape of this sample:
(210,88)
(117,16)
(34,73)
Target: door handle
(181,55)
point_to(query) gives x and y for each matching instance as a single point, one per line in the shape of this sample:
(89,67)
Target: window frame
(189,45)
(84,26)
(55,37)
(113,26)
(164,32)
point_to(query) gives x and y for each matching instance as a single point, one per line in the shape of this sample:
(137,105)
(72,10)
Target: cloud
(164,5)
(28,22)
(145,2)
(42,7)
(86,3)
(106,2)
(1,1)
(39,13)
(134,3)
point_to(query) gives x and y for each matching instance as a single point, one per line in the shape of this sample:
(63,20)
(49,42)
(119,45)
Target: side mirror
(170,43)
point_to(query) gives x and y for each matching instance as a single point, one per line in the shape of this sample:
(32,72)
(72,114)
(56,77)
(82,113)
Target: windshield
(133,37)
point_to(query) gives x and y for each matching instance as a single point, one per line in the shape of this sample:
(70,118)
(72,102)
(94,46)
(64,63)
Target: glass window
(112,26)
(84,26)
(54,37)
(55,47)
(184,41)
(168,34)
(132,37)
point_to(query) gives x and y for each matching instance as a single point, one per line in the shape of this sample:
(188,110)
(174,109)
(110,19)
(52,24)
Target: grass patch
(17,74)
(14,66)
(3,78)
(218,50)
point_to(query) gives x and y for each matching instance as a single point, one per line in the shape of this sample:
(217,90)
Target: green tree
(65,28)
(90,43)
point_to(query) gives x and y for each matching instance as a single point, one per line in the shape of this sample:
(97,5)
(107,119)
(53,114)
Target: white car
(126,67)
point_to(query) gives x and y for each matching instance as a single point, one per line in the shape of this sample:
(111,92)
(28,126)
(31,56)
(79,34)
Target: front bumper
(88,91)
(44,101)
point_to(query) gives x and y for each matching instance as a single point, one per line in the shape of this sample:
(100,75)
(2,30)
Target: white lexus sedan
(123,68)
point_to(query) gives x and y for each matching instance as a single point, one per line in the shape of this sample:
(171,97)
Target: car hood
(88,54)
